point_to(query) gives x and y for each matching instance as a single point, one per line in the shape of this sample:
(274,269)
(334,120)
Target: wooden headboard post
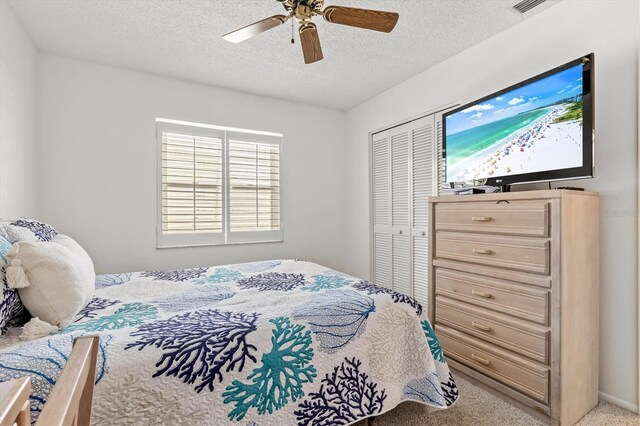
(71,401)
(14,402)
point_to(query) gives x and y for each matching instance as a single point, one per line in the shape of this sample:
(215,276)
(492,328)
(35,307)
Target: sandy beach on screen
(548,146)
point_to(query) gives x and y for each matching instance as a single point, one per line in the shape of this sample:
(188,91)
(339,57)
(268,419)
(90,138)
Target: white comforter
(269,343)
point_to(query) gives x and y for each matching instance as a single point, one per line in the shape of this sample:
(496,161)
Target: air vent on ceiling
(526,5)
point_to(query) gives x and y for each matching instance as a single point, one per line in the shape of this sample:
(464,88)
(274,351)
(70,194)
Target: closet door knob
(400,232)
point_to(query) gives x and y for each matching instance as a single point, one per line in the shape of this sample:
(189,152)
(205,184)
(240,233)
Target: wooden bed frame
(71,400)
(14,402)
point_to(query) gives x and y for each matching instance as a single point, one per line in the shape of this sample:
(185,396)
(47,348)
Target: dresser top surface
(510,196)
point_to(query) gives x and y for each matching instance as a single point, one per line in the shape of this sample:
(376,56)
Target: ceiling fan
(304,11)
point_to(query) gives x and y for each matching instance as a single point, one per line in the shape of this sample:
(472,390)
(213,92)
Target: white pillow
(55,280)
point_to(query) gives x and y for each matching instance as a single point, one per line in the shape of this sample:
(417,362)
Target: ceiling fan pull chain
(292,39)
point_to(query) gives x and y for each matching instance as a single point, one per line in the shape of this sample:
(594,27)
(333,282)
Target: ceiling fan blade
(310,43)
(254,29)
(377,20)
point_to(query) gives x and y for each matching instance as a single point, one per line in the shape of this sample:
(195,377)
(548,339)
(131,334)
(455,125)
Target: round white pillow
(55,279)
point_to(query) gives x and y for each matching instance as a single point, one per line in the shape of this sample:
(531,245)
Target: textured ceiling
(182,39)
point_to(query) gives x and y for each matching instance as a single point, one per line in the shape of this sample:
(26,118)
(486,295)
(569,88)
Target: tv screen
(537,130)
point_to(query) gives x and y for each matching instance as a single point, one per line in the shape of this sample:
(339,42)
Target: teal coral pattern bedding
(283,342)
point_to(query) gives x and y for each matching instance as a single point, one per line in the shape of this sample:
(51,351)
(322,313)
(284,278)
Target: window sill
(174,246)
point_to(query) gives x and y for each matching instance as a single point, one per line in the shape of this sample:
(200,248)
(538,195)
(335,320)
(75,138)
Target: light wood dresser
(515,296)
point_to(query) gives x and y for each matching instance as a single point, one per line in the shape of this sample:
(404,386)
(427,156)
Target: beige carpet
(480,408)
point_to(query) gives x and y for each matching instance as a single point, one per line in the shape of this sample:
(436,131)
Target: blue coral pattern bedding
(283,342)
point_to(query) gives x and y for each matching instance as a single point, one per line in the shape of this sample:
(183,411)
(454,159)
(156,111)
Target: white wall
(98,156)
(98,178)
(18,121)
(557,35)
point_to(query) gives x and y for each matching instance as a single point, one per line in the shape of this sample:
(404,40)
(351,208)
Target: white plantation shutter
(217,186)
(254,190)
(191,197)
(191,184)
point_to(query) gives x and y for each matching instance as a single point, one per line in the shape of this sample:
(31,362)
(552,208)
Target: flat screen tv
(538,130)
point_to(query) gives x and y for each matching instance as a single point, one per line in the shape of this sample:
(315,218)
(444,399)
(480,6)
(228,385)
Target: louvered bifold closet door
(253,188)
(423,165)
(401,209)
(192,197)
(404,174)
(381,192)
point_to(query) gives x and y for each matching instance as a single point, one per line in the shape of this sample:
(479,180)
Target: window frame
(226,237)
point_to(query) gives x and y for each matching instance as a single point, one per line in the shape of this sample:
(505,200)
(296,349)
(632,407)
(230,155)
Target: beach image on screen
(534,128)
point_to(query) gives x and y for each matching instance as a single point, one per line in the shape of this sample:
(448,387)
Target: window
(217,185)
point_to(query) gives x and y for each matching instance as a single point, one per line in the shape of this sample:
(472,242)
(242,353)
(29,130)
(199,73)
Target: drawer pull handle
(481,294)
(482,251)
(481,219)
(480,360)
(480,326)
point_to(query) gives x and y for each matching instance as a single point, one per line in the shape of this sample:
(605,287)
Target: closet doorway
(404,171)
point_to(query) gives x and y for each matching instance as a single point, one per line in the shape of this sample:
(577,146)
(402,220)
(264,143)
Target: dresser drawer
(518,300)
(513,334)
(523,219)
(524,254)
(512,370)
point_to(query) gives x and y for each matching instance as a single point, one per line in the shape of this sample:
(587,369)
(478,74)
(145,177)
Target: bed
(284,342)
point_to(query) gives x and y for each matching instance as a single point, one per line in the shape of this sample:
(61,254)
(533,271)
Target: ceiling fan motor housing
(303,13)
(310,7)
